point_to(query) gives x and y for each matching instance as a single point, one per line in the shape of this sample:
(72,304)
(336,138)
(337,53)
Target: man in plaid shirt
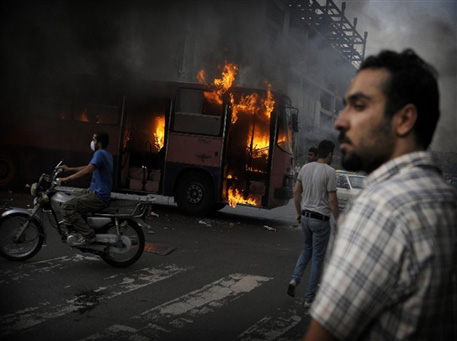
(392,273)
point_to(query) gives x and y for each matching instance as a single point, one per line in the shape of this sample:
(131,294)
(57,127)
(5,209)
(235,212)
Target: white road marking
(271,327)
(173,315)
(25,270)
(32,316)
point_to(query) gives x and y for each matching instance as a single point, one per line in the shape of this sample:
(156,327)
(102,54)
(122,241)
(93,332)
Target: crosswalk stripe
(271,327)
(177,313)
(44,266)
(32,316)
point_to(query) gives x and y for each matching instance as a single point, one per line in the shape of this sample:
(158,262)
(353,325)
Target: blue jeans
(316,234)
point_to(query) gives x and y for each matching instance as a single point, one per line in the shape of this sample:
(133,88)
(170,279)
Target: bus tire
(8,171)
(195,194)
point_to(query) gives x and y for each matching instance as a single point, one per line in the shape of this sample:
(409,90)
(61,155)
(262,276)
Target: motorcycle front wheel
(125,255)
(25,246)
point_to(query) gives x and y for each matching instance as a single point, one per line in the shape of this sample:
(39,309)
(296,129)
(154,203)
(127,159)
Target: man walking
(315,198)
(392,273)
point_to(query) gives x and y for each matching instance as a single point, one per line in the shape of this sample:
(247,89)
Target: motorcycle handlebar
(58,165)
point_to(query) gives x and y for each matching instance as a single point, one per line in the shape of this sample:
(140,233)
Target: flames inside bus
(235,142)
(207,145)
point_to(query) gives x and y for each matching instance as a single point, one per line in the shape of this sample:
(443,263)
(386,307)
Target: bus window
(82,113)
(285,133)
(190,101)
(96,113)
(195,114)
(51,110)
(107,114)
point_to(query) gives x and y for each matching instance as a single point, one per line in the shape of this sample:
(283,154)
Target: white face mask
(92,145)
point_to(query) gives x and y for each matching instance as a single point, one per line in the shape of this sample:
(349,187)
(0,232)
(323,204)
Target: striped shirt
(392,272)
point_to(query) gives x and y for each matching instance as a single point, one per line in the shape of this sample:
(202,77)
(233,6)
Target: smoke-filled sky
(51,37)
(430,28)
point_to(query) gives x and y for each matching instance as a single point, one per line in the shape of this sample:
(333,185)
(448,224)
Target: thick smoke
(149,39)
(428,27)
(44,40)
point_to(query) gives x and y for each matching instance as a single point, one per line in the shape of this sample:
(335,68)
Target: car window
(342,182)
(356,181)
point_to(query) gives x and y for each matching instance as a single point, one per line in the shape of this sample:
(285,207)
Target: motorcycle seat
(108,210)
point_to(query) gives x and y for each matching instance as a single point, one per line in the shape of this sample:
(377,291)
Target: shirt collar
(394,166)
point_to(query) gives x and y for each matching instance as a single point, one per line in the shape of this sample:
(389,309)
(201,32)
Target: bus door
(247,150)
(281,165)
(143,152)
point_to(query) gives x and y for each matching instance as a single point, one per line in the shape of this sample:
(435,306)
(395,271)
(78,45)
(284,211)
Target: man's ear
(405,119)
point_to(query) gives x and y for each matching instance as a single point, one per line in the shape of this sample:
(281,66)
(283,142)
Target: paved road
(223,277)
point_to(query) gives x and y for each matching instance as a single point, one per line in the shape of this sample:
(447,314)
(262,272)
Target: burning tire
(195,193)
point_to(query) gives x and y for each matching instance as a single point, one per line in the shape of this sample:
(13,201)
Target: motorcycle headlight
(33,189)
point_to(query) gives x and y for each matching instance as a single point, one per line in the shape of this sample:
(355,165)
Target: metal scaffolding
(331,23)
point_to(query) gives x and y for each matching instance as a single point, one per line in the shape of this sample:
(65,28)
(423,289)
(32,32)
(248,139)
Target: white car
(347,185)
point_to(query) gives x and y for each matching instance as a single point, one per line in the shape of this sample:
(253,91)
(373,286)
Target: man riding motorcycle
(97,196)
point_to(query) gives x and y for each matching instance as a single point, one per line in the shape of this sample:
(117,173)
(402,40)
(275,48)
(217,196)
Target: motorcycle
(118,228)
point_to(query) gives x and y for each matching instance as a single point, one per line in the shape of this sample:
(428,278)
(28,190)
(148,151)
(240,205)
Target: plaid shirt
(392,274)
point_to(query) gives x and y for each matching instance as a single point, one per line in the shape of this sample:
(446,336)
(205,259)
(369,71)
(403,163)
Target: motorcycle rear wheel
(123,259)
(29,243)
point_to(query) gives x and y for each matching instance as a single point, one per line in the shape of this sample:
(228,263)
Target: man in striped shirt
(392,272)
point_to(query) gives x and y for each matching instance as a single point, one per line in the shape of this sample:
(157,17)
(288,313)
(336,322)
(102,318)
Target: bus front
(281,180)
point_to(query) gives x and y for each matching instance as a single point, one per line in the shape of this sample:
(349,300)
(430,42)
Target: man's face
(366,137)
(95,142)
(312,157)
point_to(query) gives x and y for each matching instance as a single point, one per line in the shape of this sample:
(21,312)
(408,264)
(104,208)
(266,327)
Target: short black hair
(103,138)
(312,150)
(325,147)
(411,80)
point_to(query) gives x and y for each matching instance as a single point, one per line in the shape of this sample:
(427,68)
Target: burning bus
(206,144)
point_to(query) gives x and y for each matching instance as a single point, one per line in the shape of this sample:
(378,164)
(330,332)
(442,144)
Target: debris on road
(269,228)
(204,223)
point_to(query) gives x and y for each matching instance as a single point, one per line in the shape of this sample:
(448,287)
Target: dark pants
(84,202)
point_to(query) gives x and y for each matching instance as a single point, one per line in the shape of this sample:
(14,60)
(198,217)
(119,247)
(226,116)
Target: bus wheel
(7,171)
(195,194)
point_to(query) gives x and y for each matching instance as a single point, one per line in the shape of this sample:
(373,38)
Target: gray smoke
(119,38)
(47,39)
(428,27)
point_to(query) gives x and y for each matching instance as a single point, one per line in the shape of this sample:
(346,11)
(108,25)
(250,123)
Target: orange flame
(261,143)
(269,102)
(83,117)
(201,77)
(261,138)
(220,85)
(228,77)
(159,133)
(247,104)
(282,139)
(258,139)
(236,197)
